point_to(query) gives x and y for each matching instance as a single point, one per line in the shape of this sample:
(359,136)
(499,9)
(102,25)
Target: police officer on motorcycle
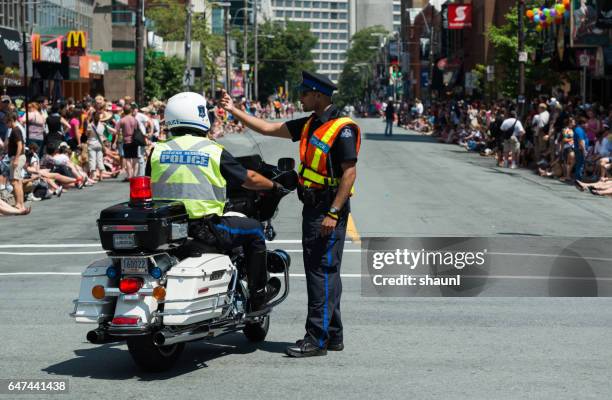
(195,170)
(329,144)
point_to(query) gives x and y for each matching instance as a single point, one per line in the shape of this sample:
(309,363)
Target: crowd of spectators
(560,138)
(71,145)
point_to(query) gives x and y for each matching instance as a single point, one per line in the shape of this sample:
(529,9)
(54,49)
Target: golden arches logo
(36,47)
(76,40)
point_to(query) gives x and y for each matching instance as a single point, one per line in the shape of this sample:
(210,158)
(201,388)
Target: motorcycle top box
(124,228)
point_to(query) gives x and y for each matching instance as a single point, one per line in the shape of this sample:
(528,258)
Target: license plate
(134,265)
(124,241)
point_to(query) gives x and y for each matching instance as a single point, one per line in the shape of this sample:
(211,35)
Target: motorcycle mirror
(286,164)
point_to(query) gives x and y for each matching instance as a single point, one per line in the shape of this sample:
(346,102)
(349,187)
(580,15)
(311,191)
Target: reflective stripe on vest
(188,169)
(314,152)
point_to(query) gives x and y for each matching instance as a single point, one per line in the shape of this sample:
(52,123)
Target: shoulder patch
(346,133)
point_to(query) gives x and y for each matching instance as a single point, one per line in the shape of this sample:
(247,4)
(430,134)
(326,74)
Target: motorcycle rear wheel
(257,331)
(152,358)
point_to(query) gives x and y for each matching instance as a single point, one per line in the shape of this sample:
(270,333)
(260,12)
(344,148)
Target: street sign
(585,60)
(189,79)
(490,69)
(523,56)
(246,67)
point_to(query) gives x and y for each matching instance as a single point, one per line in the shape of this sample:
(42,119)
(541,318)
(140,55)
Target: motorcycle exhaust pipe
(99,336)
(165,338)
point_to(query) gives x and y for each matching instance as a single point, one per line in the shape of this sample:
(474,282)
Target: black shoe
(304,348)
(259,299)
(335,346)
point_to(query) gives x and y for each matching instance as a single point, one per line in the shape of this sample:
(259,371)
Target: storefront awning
(120,59)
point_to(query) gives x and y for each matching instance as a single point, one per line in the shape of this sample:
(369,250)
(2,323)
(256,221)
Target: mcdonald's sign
(76,43)
(36,47)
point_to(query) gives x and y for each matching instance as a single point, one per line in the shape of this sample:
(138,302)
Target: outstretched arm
(276,129)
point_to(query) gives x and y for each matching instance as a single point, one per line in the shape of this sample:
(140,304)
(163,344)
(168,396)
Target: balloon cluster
(544,17)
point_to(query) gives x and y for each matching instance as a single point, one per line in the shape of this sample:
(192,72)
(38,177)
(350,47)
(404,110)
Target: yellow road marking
(351,230)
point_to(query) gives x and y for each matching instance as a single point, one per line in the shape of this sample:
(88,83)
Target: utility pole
(187,80)
(139,95)
(24,49)
(431,54)
(522,60)
(228,84)
(245,74)
(256,61)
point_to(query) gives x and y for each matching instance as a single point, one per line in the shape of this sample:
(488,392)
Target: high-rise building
(378,12)
(330,21)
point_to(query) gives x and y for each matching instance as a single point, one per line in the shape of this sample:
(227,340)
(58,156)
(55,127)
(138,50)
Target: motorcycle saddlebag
(124,228)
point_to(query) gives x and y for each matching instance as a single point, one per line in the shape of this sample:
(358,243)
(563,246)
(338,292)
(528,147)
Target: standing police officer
(329,144)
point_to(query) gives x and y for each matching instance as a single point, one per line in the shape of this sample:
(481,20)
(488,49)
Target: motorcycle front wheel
(152,358)
(257,331)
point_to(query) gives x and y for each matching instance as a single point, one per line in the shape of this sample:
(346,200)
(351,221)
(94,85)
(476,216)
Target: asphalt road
(396,347)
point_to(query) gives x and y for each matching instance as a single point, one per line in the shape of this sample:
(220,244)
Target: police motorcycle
(158,289)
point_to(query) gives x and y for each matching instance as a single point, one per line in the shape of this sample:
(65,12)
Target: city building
(378,12)
(332,21)
(59,34)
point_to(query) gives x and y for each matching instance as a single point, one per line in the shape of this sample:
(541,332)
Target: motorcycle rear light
(130,285)
(140,190)
(111,272)
(126,320)
(155,272)
(159,293)
(98,292)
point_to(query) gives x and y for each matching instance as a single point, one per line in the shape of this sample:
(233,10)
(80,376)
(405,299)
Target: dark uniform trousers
(322,258)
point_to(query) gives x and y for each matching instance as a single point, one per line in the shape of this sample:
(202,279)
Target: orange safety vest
(314,152)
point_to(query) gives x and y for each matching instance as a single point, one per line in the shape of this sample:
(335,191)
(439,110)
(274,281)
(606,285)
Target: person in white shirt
(540,124)
(512,130)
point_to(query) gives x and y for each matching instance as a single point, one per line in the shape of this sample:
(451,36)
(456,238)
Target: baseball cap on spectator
(5,99)
(115,108)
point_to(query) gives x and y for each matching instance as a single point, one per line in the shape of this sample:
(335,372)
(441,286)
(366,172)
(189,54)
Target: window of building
(397,8)
(316,14)
(307,4)
(334,6)
(342,36)
(325,46)
(334,56)
(298,4)
(316,4)
(324,56)
(325,25)
(297,14)
(325,35)
(343,26)
(334,46)
(333,15)
(316,25)
(342,6)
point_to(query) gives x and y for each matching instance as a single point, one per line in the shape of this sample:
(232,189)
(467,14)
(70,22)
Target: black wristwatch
(334,210)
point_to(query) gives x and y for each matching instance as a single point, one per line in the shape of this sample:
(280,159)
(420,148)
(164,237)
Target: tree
(360,60)
(168,18)
(505,41)
(163,75)
(285,50)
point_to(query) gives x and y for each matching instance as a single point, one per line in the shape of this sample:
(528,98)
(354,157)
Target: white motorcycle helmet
(187,110)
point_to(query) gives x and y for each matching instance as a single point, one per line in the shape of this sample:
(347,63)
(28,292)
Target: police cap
(318,83)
